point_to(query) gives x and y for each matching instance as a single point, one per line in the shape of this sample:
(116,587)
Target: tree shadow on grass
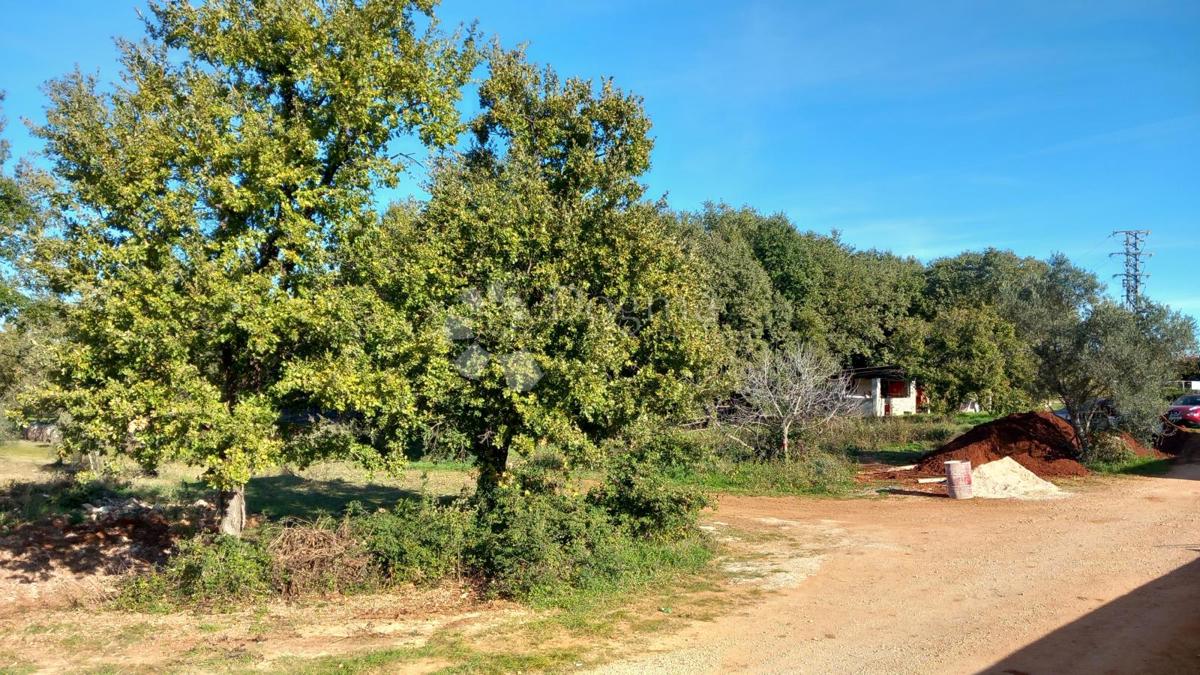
(889,457)
(286,496)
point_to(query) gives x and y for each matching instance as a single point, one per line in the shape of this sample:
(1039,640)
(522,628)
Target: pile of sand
(1042,442)
(1006,479)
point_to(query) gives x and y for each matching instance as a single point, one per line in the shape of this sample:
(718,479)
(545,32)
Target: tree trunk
(492,466)
(1081,430)
(231,505)
(786,443)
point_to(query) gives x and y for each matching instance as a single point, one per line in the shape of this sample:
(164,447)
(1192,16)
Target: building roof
(882,372)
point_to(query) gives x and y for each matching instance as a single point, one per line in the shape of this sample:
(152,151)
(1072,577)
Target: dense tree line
(218,282)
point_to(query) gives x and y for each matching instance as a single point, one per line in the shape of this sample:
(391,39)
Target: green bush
(205,571)
(416,541)
(532,537)
(675,448)
(1109,448)
(637,495)
(531,543)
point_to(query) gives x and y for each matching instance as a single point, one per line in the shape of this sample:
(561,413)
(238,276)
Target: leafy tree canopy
(823,292)
(1107,358)
(573,311)
(199,203)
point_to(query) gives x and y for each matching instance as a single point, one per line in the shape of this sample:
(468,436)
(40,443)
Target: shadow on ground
(890,457)
(285,496)
(914,493)
(42,530)
(44,526)
(1153,629)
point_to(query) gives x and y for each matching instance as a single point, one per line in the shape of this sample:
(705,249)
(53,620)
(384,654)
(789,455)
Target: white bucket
(958,479)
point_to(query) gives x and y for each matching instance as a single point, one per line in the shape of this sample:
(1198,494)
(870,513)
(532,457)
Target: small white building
(1188,385)
(884,391)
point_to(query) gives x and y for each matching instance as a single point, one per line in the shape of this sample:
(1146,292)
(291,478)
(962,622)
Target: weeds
(416,541)
(868,435)
(1135,465)
(207,572)
(639,497)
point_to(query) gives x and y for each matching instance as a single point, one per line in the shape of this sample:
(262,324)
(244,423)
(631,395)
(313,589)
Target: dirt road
(1105,581)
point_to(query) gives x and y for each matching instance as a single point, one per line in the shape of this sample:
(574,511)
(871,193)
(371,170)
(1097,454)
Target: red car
(1185,411)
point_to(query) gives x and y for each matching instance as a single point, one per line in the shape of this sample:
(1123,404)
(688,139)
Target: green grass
(1138,466)
(643,563)
(816,473)
(449,648)
(32,486)
(896,455)
(974,419)
(285,495)
(19,451)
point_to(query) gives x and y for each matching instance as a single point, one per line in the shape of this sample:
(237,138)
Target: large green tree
(968,354)
(753,316)
(200,202)
(572,311)
(15,210)
(973,330)
(822,291)
(1105,358)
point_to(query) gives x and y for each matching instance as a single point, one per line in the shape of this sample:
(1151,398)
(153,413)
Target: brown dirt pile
(1039,441)
(1139,449)
(1183,443)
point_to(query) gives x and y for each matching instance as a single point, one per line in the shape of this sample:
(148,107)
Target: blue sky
(920,127)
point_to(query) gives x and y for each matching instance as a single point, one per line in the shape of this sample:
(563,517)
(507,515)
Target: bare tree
(789,393)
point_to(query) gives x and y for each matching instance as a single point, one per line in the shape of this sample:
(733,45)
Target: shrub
(1109,448)
(531,543)
(205,571)
(545,471)
(674,448)
(416,541)
(637,495)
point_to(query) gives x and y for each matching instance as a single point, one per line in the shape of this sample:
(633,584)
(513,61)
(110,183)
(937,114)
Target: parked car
(1108,417)
(1185,411)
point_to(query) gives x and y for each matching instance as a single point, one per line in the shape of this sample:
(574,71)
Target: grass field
(324,488)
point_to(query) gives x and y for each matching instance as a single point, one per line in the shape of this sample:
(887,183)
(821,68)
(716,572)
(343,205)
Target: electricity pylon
(1131,278)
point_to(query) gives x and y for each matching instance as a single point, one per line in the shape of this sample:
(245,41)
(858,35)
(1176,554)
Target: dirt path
(1105,581)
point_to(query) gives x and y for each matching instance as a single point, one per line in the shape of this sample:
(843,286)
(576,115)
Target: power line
(1131,278)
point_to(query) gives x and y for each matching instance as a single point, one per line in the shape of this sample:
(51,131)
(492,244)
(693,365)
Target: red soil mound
(1039,441)
(1140,450)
